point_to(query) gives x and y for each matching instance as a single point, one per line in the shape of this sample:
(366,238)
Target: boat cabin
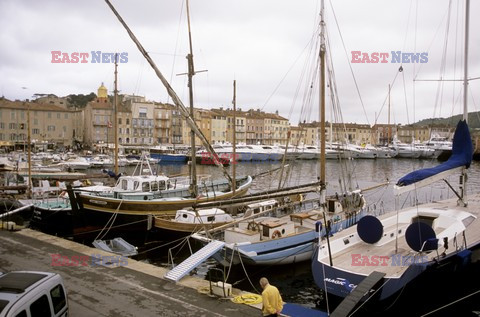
(212,215)
(142,183)
(253,209)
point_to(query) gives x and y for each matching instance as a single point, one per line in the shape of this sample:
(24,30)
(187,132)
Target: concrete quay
(131,289)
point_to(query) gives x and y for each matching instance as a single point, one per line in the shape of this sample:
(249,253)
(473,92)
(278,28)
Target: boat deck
(361,257)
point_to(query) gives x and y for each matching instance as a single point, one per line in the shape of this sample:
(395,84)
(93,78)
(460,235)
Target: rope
(249,299)
(246,274)
(112,220)
(444,306)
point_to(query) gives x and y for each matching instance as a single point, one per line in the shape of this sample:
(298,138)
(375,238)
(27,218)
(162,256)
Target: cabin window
(40,307)
(211,218)
(135,185)
(331,206)
(161,185)
(256,210)
(154,186)
(124,184)
(185,216)
(145,187)
(58,298)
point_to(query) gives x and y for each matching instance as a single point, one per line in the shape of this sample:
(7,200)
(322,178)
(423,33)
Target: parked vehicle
(31,293)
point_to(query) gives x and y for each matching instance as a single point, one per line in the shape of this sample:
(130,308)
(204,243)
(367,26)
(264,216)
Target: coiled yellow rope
(248,299)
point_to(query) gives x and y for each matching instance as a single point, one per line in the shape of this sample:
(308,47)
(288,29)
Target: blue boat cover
(462,153)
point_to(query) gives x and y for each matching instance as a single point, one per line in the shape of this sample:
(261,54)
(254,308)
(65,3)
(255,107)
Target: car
(32,294)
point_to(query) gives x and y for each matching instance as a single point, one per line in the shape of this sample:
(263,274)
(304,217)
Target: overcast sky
(262,44)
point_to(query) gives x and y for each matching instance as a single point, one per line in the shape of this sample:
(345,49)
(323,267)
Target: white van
(32,294)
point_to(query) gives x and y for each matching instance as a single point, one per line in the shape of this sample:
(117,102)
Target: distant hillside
(473,120)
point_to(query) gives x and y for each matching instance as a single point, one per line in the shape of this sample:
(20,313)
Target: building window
(58,115)
(35,131)
(127,121)
(119,120)
(49,115)
(66,116)
(51,128)
(142,112)
(12,126)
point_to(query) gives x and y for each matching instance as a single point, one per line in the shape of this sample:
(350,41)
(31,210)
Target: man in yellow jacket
(272,301)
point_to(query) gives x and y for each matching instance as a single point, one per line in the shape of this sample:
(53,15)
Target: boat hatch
(429,220)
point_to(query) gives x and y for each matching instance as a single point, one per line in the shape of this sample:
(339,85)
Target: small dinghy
(117,246)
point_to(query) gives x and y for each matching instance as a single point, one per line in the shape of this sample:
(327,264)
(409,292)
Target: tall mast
(176,100)
(29,141)
(322,128)
(465,75)
(234,158)
(191,73)
(115,118)
(321,134)
(389,129)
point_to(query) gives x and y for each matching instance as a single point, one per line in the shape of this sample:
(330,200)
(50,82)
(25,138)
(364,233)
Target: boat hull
(148,206)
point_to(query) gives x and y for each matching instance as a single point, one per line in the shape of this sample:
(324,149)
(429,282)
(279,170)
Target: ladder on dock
(352,299)
(194,260)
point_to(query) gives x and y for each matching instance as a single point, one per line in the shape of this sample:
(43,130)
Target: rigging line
(392,84)
(456,301)
(176,46)
(311,43)
(349,64)
(283,78)
(414,64)
(406,102)
(443,63)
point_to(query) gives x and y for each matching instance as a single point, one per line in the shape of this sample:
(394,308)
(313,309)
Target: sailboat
(378,257)
(134,201)
(275,234)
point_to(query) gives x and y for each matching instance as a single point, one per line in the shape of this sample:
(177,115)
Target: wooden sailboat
(377,258)
(158,197)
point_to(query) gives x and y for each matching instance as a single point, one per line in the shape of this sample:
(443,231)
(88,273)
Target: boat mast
(191,73)
(322,128)
(322,101)
(463,177)
(465,69)
(389,129)
(115,118)
(234,158)
(176,100)
(30,184)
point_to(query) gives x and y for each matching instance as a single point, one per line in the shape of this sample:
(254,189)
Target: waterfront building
(218,126)
(255,126)
(50,125)
(276,128)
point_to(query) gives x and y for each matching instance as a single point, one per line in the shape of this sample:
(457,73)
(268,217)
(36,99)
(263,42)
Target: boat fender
(276,234)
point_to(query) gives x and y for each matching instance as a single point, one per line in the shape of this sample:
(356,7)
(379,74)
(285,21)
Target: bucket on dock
(9,225)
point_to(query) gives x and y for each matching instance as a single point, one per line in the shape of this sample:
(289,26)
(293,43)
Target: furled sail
(462,153)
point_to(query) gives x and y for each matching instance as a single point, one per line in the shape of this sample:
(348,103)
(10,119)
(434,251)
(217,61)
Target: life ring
(253,226)
(276,234)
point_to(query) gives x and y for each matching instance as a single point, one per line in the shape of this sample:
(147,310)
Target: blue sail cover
(462,153)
